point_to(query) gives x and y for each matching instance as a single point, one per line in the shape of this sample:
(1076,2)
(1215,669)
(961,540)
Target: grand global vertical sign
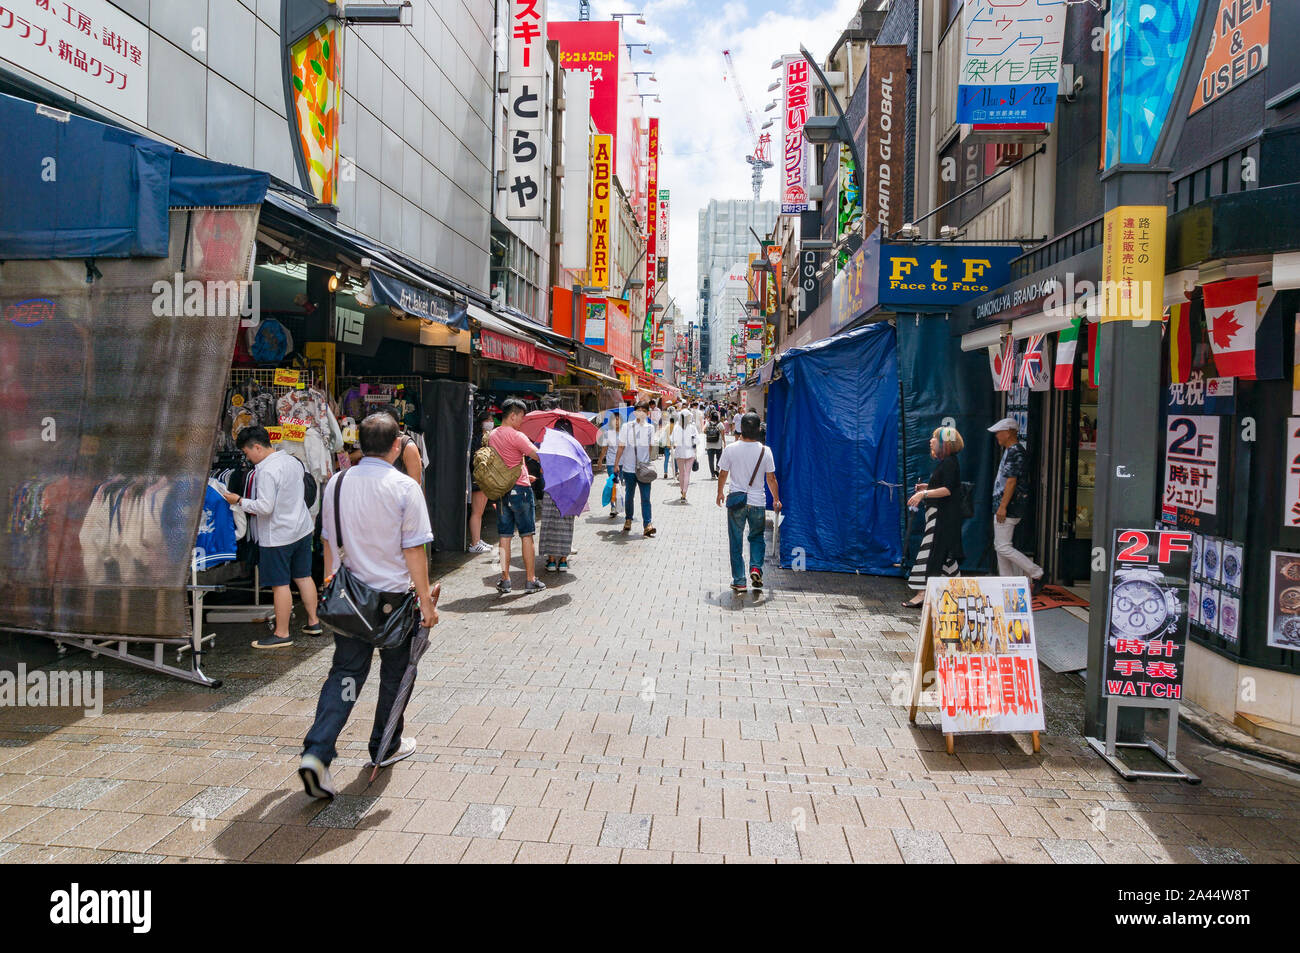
(651,247)
(602,170)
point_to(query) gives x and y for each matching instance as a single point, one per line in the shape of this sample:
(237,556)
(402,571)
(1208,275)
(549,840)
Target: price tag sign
(287,379)
(275,433)
(294,432)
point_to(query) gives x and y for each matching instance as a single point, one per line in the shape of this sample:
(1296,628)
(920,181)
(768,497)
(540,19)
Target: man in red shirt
(517,509)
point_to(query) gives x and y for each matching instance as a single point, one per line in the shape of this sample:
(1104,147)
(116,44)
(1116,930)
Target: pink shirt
(513,447)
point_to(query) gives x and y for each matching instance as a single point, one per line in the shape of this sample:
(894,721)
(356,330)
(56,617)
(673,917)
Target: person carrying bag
(637,474)
(746,503)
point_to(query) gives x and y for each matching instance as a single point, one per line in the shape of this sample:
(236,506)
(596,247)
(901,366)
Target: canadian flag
(1230,315)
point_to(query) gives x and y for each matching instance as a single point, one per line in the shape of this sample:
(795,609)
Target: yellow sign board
(602,174)
(286,379)
(1133,264)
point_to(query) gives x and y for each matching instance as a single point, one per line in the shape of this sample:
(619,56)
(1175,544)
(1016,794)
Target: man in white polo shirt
(385,526)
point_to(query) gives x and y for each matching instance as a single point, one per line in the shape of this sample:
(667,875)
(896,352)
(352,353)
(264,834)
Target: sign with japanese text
(856,289)
(526,22)
(1146,613)
(1191,467)
(285,378)
(618,330)
(602,175)
(661,236)
(593,331)
(592,47)
(1132,264)
(1291,499)
(1202,395)
(1238,49)
(985,655)
(499,347)
(796,150)
(1010,61)
(91,48)
(291,428)
(652,224)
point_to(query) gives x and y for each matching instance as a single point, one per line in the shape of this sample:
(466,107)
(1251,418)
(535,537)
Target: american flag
(1008,369)
(1031,367)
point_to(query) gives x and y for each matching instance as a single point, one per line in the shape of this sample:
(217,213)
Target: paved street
(634,712)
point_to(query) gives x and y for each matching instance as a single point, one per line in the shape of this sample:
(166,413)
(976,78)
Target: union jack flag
(1031,368)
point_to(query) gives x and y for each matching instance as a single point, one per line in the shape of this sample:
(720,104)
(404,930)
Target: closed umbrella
(539,421)
(419,644)
(567,470)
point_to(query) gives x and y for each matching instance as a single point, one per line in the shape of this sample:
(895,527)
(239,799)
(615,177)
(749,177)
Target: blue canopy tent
(849,422)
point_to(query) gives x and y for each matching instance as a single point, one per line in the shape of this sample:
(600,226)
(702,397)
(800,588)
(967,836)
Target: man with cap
(1010,503)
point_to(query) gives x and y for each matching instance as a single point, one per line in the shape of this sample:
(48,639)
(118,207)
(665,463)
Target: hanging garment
(215,543)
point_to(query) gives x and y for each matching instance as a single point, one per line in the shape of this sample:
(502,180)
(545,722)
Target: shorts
(517,510)
(280,565)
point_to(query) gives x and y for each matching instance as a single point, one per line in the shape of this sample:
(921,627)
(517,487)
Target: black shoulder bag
(350,607)
(739,498)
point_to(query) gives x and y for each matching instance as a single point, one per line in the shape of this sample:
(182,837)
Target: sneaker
(550,565)
(503,586)
(480,548)
(738,587)
(1037,585)
(272,642)
(627,525)
(405,749)
(316,777)
(534,585)
(613,514)
(564,565)
(756,578)
(312,629)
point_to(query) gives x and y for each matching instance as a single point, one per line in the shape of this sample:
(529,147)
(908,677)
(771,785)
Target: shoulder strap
(338,524)
(762,452)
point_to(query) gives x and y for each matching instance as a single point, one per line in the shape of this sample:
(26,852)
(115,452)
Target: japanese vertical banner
(527,110)
(1146,614)
(602,172)
(795,149)
(661,236)
(1133,263)
(1010,61)
(985,656)
(651,241)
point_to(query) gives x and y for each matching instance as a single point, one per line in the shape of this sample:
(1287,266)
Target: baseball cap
(1006,423)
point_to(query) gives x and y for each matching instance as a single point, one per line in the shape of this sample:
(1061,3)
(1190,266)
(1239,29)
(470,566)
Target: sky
(702,131)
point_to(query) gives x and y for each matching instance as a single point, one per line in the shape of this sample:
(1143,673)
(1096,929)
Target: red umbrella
(538,421)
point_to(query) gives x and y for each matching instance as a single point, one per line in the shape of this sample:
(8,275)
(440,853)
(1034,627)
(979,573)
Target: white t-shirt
(739,460)
(638,441)
(656,415)
(684,441)
(608,438)
(735,423)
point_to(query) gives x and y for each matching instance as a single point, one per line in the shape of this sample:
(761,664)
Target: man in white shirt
(385,525)
(283,530)
(636,444)
(746,462)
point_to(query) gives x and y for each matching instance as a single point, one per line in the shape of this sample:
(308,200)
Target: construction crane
(760,158)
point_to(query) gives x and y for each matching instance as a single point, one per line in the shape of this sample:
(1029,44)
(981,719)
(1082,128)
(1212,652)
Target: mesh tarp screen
(108,401)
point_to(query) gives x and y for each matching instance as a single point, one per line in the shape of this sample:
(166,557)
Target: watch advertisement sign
(1147,613)
(1284,602)
(1291,499)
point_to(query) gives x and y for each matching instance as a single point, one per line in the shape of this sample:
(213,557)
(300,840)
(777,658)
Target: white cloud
(703,136)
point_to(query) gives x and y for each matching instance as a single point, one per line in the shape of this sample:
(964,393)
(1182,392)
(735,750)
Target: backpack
(712,432)
(309,487)
(492,475)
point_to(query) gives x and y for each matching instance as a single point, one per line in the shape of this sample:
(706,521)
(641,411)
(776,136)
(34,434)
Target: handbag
(350,607)
(645,472)
(695,461)
(739,498)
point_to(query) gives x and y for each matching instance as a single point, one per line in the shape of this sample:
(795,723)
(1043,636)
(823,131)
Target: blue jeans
(630,483)
(736,520)
(352,659)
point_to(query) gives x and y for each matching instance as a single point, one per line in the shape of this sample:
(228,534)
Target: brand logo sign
(602,171)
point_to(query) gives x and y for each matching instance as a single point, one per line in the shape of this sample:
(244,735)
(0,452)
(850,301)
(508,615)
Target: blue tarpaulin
(833,417)
(76,188)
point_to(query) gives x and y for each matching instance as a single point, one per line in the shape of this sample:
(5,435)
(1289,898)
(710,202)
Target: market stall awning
(111,189)
(500,340)
(604,379)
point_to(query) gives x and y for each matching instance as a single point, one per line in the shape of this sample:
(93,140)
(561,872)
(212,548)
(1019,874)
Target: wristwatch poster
(1147,613)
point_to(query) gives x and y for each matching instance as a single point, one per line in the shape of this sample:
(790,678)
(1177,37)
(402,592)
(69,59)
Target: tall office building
(724,241)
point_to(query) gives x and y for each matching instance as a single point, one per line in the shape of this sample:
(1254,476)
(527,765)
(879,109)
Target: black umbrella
(419,644)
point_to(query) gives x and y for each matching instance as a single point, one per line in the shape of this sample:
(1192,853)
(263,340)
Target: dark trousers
(630,484)
(347,675)
(714,456)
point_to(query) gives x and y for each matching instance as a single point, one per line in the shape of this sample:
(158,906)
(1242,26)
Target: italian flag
(1066,345)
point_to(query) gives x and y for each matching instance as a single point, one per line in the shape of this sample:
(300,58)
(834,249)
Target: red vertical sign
(652,225)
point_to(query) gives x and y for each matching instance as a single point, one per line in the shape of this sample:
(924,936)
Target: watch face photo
(1210,608)
(1139,608)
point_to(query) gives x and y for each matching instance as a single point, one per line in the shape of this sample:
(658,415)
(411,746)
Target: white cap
(1006,423)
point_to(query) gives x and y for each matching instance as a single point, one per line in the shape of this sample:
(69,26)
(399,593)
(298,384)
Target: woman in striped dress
(940,553)
(555,532)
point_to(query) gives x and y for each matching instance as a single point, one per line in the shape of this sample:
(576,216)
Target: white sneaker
(404,750)
(316,777)
(479,548)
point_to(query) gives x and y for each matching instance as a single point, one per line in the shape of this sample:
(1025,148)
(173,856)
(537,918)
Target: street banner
(574,254)
(886,138)
(978,633)
(1238,50)
(1284,602)
(661,238)
(525,164)
(593,334)
(1133,264)
(796,149)
(1147,613)
(1291,499)
(602,173)
(1231,317)
(1191,468)
(1010,61)
(592,47)
(652,223)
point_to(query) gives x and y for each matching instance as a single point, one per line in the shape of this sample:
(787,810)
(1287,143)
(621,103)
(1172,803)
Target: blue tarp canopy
(833,418)
(76,188)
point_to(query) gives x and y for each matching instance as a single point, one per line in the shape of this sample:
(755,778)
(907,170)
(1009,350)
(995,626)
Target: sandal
(649,531)
(913,605)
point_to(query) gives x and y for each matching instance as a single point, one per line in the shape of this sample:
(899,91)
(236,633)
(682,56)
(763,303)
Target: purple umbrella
(567,470)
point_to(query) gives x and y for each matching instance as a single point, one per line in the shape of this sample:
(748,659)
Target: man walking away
(518,508)
(609,438)
(283,529)
(745,462)
(1011,502)
(385,526)
(713,442)
(636,445)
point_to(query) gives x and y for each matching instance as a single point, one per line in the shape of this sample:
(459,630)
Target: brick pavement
(635,712)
